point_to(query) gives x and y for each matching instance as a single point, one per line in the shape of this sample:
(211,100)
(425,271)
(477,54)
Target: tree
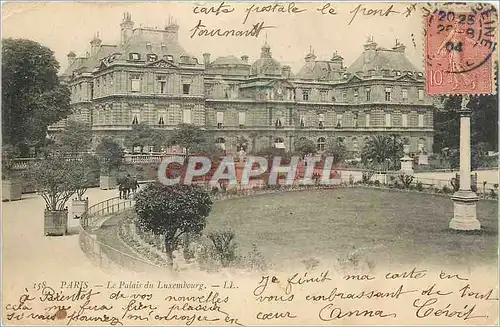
(110,155)
(394,150)
(172,211)
(57,179)
(187,136)
(32,96)
(375,150)
(337,150)
(141,135)
(304,147)
(75,139)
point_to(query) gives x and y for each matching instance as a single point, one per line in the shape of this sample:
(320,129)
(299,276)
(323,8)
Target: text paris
(254,31)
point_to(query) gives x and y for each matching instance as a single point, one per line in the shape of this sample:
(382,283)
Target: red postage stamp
(460,49)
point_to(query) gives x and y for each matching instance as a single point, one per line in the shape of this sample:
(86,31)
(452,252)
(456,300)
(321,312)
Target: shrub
(455,182)
(214,190)
(447,190)
(172,211)
(255,260)
(493,194)
(376,182)
(311,263)
(224,246)
(406,180)
(366,176)
(419,186)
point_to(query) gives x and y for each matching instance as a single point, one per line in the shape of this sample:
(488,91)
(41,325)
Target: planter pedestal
(56,222)
(107,182)
(11,190)
(78,207)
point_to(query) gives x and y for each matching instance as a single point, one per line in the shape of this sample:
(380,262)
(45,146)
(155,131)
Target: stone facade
(149,77)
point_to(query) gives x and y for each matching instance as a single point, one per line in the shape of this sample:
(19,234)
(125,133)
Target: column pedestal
(464,211)
(464,200)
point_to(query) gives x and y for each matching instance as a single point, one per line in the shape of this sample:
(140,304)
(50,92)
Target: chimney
(206,59)
(71,58)
(286,71)
(244,58)
(95,44)
(310,57)
(370,44)
(399,47)
(126,26)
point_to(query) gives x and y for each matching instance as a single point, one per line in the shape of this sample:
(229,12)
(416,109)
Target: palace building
(250,104)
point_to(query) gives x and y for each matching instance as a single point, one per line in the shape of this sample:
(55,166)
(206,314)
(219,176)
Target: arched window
(221,143)
(320,144)
(302,138)
(135,121)
(279,143)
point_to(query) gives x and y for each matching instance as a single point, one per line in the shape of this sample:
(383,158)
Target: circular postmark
(460,41)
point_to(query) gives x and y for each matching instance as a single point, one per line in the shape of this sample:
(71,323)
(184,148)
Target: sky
(69,26)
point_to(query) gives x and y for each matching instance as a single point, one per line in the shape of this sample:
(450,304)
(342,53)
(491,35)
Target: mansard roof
(152,41)
(321,71)
(381,59)
(87,64)
(228,60)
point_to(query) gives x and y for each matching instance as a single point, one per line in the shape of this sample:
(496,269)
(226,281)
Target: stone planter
(107,182)
(56,222)
(78,207)
(11,189)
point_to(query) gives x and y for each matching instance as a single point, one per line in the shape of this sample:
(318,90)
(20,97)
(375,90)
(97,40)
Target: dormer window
(134,56)
(398,73)
(302,121)
(278,123)
(152,57)
(321,121)
(161,121)
(410,73)
(169,57)
(420,74)
(305,94)
(148,47)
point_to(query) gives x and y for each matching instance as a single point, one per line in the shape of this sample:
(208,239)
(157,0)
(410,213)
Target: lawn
(385,226)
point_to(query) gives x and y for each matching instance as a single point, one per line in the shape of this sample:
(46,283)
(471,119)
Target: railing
(103,255)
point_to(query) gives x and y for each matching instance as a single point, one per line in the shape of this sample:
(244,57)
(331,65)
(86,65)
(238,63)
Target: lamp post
(464,206)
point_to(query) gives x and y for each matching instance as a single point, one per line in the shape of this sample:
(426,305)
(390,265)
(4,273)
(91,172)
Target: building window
(368,95)
(161,121)
(302,121)
(405,120)
(305,95)
(420,120)
(135,120)
(356,95)
(421,95)
(388,94)
(421,145)
(367,120)
(339,121)
(162,84)
(387,120)
(321,121)
(279,143)
(221,143)
(134,56)
(278,123)
(320,144)
(186,116)
(152,57)
(241,118)
(322,95)
(135,85)
(220,119)
(344,96)
(169,58)
(404,95)
(356,116)
(185,88)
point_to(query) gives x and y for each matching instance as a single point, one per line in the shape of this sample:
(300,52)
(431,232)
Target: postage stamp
(460,43)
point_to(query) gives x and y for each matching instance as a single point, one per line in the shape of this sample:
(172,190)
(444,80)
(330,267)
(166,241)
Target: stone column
(464,199)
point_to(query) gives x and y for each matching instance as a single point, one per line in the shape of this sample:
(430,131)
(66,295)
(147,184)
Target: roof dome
(266,65)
